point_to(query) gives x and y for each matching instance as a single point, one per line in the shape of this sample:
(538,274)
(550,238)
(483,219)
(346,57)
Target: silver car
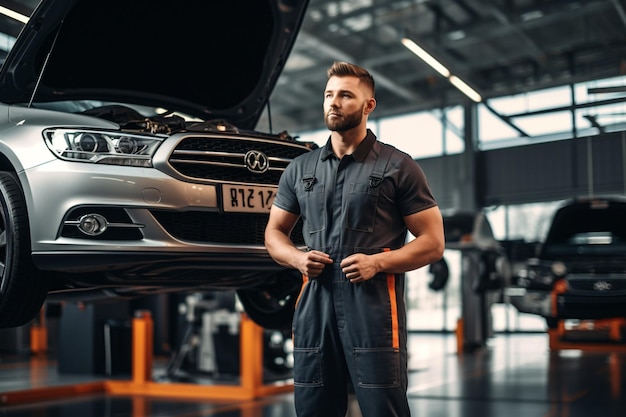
(129,160)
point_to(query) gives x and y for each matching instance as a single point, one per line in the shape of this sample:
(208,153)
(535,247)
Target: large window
(528,222)
(552,114)
(430,310)
(421,135)
(558,113)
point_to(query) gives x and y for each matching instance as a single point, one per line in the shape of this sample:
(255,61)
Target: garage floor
(515,376)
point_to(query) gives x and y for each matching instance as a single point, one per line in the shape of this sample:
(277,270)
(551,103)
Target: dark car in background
(579,271)
(130,162)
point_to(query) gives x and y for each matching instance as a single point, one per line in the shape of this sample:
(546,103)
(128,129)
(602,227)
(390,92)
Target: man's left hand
(359,267)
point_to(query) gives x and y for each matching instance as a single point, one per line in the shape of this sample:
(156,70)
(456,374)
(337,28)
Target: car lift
(250,386)
(600,335)
(590,335)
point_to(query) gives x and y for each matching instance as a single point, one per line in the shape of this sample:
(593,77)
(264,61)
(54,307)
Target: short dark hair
(344,69)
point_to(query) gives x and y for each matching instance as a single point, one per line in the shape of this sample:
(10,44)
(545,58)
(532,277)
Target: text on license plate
(247,199)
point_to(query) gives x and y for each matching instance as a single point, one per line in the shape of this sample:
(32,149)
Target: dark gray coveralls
(343,330)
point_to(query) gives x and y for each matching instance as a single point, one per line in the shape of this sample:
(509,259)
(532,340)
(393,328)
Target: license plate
(247,199)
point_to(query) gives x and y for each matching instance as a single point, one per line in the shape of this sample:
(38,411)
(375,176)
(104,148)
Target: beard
(347,122)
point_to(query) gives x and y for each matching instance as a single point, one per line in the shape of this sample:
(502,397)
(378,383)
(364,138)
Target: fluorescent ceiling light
(465,89)
(13,15)
(426,57)
(441,69)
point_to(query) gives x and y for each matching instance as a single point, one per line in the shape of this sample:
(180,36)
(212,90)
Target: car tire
(440,275)
(22,291)
(272,307)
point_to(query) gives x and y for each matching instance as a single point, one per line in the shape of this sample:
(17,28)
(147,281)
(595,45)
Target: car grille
(222,158)
(598,284)
(219,228)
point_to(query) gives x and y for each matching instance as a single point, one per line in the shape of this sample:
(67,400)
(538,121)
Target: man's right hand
(312,263)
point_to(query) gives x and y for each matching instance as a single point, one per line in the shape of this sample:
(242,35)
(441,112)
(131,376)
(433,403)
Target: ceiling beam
(337,54)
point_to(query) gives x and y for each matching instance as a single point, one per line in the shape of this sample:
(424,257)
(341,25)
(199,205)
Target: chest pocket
(361,207)
(363,198)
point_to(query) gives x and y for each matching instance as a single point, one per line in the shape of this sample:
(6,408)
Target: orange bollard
(143,333)
(39,335)
(460,336)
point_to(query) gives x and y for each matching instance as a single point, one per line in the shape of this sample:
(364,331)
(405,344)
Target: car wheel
(22,292)
(440,272)
(273,305)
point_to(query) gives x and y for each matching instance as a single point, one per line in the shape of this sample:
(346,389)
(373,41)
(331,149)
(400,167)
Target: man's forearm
(281,249)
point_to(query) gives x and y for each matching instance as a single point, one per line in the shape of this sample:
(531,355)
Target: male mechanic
(357,198)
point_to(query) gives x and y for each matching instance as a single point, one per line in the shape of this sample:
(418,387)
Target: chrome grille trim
(281,161)
(222,158)
(225,154)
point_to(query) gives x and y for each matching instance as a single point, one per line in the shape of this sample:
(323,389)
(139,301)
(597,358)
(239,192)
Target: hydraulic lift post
(250,386)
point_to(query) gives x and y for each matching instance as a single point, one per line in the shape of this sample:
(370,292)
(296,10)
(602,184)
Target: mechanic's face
(346,103)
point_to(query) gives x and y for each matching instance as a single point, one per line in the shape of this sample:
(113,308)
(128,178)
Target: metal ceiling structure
(499,47)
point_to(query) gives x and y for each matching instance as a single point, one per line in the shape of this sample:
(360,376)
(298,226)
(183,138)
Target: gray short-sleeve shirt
(339,205)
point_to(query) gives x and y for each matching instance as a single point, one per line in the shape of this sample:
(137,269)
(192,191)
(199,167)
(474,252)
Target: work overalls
(344,330)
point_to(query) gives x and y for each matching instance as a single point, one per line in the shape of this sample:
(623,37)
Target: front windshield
(588,231)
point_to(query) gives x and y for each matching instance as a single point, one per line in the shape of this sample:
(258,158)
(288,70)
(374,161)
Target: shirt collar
(361,151)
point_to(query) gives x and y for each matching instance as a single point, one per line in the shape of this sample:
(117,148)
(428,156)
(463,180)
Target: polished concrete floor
(516,375)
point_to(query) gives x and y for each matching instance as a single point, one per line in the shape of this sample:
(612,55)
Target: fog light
(92,224)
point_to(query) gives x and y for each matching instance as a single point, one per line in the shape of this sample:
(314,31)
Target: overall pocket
(307,367)
(377,367)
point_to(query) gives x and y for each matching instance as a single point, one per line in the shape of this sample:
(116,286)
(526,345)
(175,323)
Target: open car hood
(209,59)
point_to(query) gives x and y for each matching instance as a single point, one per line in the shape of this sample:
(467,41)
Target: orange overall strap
(393,301)
(305,280)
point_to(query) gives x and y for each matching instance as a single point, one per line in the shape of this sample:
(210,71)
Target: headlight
(559,269)
(112,148)
(541,276)
(535,277)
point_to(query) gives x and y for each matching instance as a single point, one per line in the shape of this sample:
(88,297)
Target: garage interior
(549,126)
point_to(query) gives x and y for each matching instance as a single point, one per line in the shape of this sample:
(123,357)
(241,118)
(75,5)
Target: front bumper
(567,306)
(122,268)
(163,227)
(181,235)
